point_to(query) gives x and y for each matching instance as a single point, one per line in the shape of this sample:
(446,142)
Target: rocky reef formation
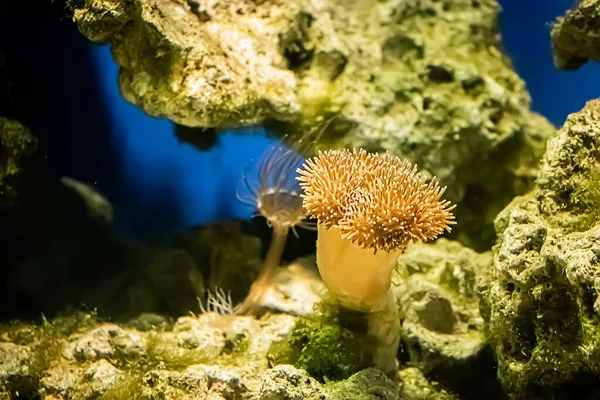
(212,356)
(575,36)
(541,297)
(17,146)
(425,80)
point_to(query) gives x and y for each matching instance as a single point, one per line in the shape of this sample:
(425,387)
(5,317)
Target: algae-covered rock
(442,329)
(416,387)
(575,36)
(425,80)
(209,357)
(541,297)
(17,145)
(323,347)
(368,384)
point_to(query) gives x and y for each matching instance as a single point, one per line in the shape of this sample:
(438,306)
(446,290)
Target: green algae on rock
(442,95)
(541,296)
(321,346)
(17,145)
(425,80)
(575,35)
(211,356)
(26,351)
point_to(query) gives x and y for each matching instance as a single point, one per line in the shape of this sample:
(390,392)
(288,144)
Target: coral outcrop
(575,36)
(541,296)
(425,80)
(416,387)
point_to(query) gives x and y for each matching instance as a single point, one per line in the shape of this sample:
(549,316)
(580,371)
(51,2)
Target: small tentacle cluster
(217,301)
(378,201)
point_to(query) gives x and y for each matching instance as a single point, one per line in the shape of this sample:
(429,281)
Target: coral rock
(442,329)
(541,296)
(416,387)
(200,63)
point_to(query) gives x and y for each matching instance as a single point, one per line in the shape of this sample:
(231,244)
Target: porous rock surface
(424,79)
(541,296)
(575,36)
(207,357)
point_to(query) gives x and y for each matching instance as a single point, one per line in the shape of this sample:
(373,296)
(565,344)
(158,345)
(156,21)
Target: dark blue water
(66,92)
(525,26)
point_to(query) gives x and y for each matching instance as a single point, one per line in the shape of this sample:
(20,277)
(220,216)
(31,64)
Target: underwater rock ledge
(425,80)
(198,63)
(541,298)
(211,356)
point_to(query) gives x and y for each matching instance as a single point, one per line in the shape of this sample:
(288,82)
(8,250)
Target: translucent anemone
(270,187)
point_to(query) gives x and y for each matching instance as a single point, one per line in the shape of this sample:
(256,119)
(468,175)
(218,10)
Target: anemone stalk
(261,285)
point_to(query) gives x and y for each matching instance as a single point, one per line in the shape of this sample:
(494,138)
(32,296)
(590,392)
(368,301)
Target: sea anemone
(217,301)
(369,207)
(272,189)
